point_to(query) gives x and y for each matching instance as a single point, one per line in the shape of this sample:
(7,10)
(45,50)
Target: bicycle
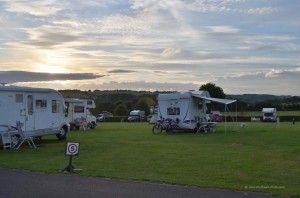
(165,124)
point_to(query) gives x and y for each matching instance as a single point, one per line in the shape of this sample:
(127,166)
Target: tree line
(121,102)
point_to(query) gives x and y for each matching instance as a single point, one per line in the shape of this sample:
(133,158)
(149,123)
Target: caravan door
(29,120)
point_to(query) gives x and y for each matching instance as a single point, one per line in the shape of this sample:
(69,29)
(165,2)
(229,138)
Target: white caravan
(78,109)
(188,109)
(39,111)
(269,114)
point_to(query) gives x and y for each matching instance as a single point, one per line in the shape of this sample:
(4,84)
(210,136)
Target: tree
(149,101)
(121,110)
(214,91)
(104,106)
(143,106)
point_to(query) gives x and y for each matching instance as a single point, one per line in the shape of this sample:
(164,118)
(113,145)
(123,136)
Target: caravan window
(79,109)
(30,104)
(41,104)
(55,106)
(90,102)
(200,106)
(19,98)
(173,111)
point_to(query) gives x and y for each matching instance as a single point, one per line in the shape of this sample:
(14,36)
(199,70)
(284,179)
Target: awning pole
(225,119)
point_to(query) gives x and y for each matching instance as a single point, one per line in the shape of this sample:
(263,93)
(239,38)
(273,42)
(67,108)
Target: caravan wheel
(62,134)
(93,125)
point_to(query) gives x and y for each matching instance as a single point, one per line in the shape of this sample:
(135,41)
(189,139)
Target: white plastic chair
(24,137)
(6,140)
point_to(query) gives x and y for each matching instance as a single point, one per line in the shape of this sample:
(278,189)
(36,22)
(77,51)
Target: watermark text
(264,187)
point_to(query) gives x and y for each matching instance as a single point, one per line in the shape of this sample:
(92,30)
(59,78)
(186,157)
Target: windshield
(88,112)
(269,114)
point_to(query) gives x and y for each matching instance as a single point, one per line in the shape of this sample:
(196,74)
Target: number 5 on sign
(72,148)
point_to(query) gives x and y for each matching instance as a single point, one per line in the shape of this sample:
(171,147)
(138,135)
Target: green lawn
(268,162)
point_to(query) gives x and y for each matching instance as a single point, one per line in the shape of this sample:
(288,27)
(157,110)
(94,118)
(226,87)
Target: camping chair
(24,137)
(84,125)
(6,140)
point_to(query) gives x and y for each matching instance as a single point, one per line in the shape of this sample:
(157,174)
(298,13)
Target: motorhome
(39,111)
(78,110)
(269,114)
(188,109)
(136,115)
(185,107)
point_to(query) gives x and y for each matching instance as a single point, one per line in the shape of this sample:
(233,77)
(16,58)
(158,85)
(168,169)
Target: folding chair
(24,137)
(84,125)
(6,140)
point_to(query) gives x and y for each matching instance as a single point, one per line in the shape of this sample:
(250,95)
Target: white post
(225,119)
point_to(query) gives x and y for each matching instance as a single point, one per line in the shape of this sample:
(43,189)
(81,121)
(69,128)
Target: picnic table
(207,127)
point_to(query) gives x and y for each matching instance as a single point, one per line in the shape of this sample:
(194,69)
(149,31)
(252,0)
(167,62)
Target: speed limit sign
(72,148)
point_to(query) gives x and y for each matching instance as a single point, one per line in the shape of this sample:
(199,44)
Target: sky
(242,46)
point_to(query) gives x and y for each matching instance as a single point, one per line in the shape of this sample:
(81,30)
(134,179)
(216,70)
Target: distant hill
(112,96)
(254,98)
(127,95)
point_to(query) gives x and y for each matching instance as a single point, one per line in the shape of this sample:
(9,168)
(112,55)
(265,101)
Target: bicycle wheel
(156,129)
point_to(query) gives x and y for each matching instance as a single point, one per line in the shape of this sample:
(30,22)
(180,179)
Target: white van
(40,111)
(136,115)
(269,114)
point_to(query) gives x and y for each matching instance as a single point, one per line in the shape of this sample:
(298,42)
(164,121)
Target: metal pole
(225,119)
(243,135)
(70,164)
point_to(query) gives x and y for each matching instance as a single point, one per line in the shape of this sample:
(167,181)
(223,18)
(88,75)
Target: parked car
(133,119)
(101,116)
(107,114)
(216,118)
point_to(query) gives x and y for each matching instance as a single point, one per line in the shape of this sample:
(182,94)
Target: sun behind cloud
(51,69)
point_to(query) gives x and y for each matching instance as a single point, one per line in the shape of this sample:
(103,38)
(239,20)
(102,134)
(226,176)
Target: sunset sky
(243,46)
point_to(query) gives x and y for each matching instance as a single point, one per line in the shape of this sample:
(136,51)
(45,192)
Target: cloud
(283,73)
(22,76)
(263,10)
(37,8)
(273,73)
(118,71)
(170,52)
(172,42)
(49,36)
(151,86)
(274,81)
(224,29)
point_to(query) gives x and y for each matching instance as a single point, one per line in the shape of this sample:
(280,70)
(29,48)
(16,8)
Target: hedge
(116,119)
(248,118)
(229,118)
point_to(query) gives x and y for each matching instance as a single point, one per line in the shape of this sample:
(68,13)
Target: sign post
(72,149)
(243,125)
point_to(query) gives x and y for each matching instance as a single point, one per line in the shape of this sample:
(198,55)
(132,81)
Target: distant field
(258,113)
(268,162)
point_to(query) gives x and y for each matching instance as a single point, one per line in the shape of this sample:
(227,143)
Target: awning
(218,100)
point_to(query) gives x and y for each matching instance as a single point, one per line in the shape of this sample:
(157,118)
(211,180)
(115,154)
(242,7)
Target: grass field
(269,161)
